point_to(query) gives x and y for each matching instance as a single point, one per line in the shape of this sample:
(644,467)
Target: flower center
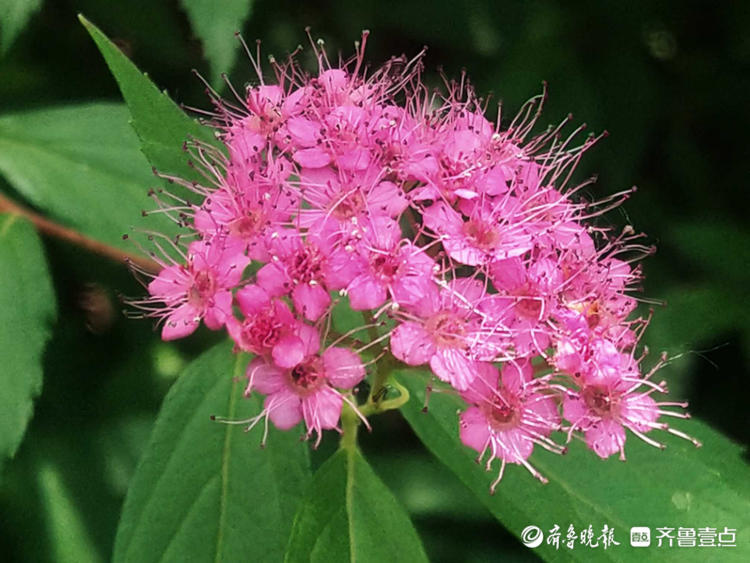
(307,264)
(204,286)
(529,307)
(599,400)
(447,330)
(346,207)
(261,332)
(267,116)
(481,234)
(385,266)
(247,225)
(592,312)
(308,376)
(503,413)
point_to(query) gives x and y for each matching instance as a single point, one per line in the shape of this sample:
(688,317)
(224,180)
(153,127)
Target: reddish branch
(74,237)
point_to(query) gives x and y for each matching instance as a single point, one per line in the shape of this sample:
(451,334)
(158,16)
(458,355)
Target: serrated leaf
(215,24)
(14,15)
(680,487)
(27,303)
(82,165)
(205,491)
(161,125)
(349,515)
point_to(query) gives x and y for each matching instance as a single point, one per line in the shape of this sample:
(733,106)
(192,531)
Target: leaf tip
(85,22)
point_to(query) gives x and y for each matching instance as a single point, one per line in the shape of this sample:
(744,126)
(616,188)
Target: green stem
(349,427)
(377,406)
(376,403)
(372,331)
(383,369)
(383,378)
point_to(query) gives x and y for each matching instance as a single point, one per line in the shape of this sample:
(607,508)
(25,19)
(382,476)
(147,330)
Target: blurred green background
(668,80)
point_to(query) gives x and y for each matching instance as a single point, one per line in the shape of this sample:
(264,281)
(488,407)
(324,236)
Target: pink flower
(447,332)
(247,208)
(609,401)
(267,322)
(269,112)
(603,411)
(298,267)
(338,201)
(339,138)
(528,294)
(201,289)
(307,387)
(392,267)
(491,232)
(505,421)
(407,144)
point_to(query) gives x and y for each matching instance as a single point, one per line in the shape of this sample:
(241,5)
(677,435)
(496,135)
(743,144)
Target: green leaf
(69,539)
(14,15)
(346,319)
(695,314)
(205,491)
(425,488)
(161,126)
(28,308)
(707,245)
(349,515)
(82,165)
(682,486)
(215,24)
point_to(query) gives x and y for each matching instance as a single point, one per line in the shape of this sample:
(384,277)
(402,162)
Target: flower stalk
(349,427)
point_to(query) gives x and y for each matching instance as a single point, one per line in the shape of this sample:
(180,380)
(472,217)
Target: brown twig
(53,229)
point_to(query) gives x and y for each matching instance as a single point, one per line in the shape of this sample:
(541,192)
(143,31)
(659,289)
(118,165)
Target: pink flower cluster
(461,241)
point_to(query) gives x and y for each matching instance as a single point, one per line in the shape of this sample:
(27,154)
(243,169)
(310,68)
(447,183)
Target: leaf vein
(225,454)
(350,501)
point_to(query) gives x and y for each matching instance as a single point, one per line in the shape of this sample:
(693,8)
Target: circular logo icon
(532,536)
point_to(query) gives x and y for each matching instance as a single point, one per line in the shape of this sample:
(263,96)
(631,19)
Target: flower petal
(312,158)
(310,300)
(252,299)
(284,409)
(411,344)
(344,369)
(263,377)
(473,429)
(605,438)
(289,351)
(452,366)
(182,322)
(219,310)
(322,410)
(366,292)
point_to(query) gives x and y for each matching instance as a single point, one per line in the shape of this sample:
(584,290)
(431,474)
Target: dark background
(668,80)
